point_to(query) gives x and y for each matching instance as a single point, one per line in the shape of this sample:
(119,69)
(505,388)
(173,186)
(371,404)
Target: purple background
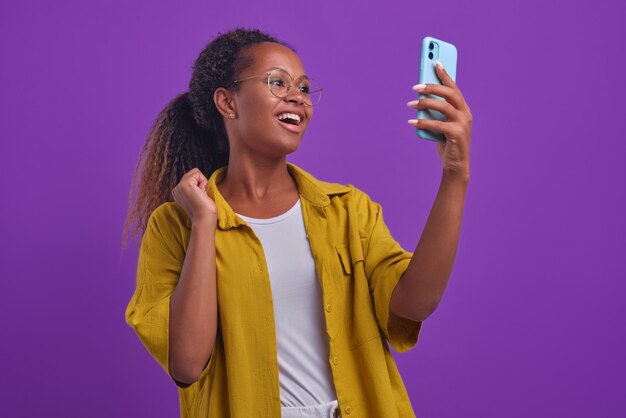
(532,321)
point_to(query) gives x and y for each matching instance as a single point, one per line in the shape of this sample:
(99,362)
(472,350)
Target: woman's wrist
(456,176)
(204,221)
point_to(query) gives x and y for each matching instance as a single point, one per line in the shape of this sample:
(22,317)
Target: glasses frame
(268,75)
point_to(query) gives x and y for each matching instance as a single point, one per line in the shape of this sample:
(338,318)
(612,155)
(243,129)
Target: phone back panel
(446,53)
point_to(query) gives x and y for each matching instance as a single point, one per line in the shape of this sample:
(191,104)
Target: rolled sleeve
(160,261)
(385,262)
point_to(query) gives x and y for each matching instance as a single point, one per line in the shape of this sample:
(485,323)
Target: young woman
(261,290)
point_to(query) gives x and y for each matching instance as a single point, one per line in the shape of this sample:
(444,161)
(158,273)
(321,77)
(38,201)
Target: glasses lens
(313,91)
(280,84)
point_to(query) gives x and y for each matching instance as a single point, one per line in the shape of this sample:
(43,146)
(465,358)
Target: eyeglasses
(280,83)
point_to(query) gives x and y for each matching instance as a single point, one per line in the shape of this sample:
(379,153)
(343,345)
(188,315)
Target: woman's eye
(305,89)
(277,82)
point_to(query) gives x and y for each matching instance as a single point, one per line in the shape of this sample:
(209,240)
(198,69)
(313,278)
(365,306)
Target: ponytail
(190,131)
(175,145)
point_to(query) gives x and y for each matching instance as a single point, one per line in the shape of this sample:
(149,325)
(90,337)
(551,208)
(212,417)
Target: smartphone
(432,50)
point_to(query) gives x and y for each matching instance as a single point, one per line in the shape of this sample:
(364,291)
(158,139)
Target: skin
(257,184)
(422,285)
(191,335)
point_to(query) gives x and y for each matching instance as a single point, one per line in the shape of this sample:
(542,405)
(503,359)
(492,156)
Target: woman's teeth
(289,117)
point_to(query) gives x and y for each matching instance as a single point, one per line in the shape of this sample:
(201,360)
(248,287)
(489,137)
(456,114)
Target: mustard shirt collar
(315,191)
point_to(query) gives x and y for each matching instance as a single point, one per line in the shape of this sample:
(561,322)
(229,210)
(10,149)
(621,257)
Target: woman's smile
(292,120)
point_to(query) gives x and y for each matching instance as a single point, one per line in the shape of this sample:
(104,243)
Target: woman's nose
(295,96)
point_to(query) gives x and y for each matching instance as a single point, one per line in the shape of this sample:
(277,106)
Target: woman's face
(257,127)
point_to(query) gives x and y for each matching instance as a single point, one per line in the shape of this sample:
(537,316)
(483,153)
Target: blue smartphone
(432,50)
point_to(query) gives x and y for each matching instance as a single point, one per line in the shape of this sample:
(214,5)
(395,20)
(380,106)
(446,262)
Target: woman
(261,290)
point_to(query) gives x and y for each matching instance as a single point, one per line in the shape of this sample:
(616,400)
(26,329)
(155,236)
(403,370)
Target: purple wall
(532,321)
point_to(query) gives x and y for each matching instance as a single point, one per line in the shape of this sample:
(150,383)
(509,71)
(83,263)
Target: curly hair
(189,132)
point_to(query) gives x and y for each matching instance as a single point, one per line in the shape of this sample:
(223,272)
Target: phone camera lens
(431,46)
(430,55)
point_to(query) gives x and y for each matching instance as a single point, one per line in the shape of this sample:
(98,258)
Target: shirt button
(329,308)
(335,360)
(348,409)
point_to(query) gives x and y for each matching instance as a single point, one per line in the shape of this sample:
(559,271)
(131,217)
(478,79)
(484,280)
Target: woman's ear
(223,99)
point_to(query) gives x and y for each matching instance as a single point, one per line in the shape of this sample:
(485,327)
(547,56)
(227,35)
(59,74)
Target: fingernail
(413,121)
(440,64)
(413,103)
(419,87)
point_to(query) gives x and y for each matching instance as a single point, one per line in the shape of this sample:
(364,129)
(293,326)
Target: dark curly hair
(190,131)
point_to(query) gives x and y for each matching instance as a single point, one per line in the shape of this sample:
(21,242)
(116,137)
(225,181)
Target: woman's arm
(421,288)
(193,305)
(422,285)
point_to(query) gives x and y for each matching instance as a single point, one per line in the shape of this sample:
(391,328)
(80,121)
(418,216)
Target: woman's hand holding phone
(454,151)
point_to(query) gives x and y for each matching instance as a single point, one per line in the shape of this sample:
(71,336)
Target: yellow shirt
(358,264)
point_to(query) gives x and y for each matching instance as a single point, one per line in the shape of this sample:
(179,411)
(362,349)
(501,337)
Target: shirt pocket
(349,257)
(360,320)
(344,257)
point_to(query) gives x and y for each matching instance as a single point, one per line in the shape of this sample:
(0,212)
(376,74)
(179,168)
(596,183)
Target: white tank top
(301,339)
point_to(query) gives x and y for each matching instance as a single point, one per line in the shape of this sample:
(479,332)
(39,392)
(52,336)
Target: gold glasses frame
(268,74)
